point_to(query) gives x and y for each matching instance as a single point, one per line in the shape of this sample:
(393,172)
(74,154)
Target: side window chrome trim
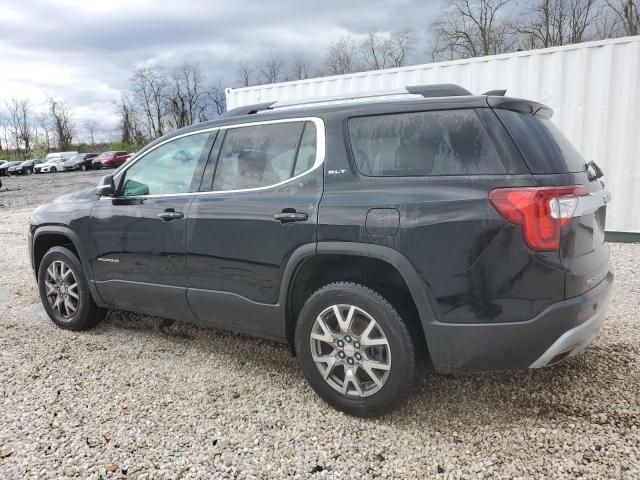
(319,161)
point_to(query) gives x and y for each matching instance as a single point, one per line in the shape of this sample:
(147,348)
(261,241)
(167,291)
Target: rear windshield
(436,143)
(544,147)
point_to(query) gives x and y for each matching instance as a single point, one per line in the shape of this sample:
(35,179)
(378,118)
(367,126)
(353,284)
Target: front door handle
(170,214)
(290,216)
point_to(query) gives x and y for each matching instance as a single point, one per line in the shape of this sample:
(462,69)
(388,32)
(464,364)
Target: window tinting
(544,147)
(263,155)
(452,142)
(167,169)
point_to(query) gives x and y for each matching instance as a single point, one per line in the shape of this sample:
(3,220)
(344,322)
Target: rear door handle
(290,217)
(170,214)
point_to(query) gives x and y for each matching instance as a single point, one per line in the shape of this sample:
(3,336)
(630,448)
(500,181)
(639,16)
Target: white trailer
(593,88)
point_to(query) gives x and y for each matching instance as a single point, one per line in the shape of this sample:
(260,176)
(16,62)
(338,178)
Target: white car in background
(50,166)
(53,162)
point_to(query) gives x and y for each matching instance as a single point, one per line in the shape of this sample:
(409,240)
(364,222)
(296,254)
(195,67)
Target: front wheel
(64,291)
(53,170)
(355,349)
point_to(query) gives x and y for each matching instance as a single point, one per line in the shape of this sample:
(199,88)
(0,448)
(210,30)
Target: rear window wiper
(594,172)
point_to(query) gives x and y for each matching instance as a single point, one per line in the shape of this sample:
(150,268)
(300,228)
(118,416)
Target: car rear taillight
(540,211)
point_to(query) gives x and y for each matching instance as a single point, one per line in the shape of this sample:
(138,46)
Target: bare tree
(149,88)
(557,22)
(343,57)
(217,99)
(91,126)
(300,67)
(62,123)
(473,28)
(187,99)
(386,51)
(19,119)
(44,121)
(245,75)
(130,132)
(627,13)
(4,126)
(272,71)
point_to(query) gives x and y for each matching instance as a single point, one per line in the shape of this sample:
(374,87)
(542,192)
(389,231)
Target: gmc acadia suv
(377,236)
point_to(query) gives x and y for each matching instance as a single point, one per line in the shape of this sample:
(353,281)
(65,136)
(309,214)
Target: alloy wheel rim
(350,350)
(62,289)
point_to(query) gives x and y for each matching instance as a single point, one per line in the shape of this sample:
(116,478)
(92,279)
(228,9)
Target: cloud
(85,51)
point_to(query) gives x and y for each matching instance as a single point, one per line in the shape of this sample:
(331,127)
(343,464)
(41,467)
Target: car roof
(435,97)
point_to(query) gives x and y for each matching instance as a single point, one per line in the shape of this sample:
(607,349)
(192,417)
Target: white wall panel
(593,88)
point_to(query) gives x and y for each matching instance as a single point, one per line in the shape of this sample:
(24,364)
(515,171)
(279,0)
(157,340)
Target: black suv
(377,236)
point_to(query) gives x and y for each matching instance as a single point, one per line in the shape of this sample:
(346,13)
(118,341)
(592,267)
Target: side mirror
(106,187)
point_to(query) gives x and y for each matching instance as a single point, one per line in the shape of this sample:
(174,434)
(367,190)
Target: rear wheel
(83,167)
(355,349)
(64,291)
(29,171)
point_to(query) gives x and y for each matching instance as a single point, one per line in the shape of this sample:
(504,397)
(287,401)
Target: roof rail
(425,91)
(247,109)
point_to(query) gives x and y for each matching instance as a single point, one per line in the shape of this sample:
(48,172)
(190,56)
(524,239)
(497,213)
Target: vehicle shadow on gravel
(579,387)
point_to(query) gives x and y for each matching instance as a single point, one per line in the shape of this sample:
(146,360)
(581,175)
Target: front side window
(167,169)
(435,143)
(263,155)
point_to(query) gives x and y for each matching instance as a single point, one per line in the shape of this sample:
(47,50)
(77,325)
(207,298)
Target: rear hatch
(554,162)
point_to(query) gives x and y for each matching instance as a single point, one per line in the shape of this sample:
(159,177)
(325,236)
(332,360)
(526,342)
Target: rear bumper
(563,329)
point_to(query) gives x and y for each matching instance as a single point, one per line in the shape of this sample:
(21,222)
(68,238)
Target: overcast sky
(85,51)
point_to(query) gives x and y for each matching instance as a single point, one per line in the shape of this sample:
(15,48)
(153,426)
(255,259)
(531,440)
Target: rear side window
(435,143)
(263,155)
(542,144)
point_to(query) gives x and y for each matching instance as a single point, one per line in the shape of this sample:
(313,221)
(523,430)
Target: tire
(83,167)
(29,171)
(53,170)
(86,314)
(399,356)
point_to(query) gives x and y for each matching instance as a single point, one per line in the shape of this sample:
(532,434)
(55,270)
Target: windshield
(75,158)
(105,154)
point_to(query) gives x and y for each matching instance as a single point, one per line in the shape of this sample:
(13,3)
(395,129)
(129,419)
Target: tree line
(464,29)
(158,100)
(161,100)
(25,131)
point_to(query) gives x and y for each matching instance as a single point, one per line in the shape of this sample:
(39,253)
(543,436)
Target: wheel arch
(305,261)
(49,236)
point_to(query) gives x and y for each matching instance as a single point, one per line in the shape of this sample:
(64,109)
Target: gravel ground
(143,398)
(23,190)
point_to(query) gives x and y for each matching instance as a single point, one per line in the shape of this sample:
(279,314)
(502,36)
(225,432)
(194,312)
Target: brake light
(540,211)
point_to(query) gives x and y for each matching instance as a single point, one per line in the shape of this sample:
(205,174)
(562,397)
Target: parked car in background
(25,167)
(81,161)
(51,166)
(56,157)
(4,168)
(110,159)
(65,155)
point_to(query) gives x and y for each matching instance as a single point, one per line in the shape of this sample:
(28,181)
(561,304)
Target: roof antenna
(495,93)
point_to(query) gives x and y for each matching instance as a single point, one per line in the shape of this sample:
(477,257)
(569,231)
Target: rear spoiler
(520,105)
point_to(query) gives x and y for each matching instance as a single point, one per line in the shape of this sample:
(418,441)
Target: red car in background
(110,159)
